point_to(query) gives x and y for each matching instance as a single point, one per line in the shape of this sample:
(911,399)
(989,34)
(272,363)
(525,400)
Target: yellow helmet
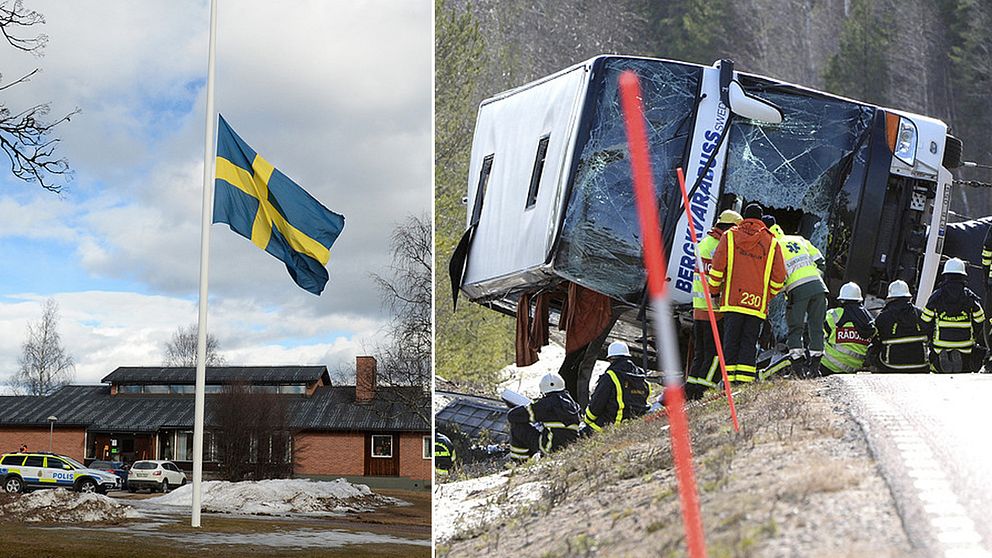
(729,217)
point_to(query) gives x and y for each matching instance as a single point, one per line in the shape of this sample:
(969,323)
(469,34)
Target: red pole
(709,303)
(647,211)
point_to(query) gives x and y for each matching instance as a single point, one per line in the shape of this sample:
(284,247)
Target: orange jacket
(748,269)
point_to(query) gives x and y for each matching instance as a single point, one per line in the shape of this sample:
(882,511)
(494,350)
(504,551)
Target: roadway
(932,437)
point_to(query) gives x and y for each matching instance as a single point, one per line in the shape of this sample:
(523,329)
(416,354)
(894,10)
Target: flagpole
(201,341)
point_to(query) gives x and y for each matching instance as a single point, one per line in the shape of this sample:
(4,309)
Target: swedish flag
(264,205)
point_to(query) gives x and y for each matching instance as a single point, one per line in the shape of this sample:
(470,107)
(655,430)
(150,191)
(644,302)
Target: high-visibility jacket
(987,254)
(621,393)
(557,413)
(748,267)
(801,262)
(444,453)
(849,330)
(902,339)
(953,317)
(706,247)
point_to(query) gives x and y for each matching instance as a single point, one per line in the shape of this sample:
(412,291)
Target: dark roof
(328,409)
(218,375)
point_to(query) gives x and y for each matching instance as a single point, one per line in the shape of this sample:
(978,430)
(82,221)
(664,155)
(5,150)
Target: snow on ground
(525,380)
(63,506)
(279,497)
(465,505)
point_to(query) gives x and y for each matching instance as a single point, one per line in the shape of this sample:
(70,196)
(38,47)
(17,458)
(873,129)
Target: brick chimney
(364,379)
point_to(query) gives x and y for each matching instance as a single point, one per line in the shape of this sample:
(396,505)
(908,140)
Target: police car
(29,470)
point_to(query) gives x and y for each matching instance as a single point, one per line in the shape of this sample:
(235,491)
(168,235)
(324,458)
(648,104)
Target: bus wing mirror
(751,107)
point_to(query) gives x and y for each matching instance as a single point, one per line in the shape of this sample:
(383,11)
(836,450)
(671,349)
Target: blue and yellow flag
(264,205)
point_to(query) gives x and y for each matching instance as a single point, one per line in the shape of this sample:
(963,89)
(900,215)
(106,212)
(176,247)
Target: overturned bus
(549,197)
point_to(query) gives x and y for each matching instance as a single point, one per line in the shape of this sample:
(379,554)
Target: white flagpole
(208,207)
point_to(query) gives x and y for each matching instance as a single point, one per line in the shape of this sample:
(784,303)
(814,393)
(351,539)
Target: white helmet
(898,289)
(954,265)
(617,348)
(850,291)
(552,382)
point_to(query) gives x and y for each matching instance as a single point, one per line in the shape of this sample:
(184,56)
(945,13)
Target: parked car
(29,470)
(155,475)
(114,467)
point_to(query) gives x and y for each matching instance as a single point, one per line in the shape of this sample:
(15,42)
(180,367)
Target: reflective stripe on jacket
(800,262)
(748,266)
(953,317)
(902,341)
(706,248)
(845,348)
(621,394)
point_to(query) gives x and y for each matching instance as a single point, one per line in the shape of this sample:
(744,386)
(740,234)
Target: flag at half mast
(264,205)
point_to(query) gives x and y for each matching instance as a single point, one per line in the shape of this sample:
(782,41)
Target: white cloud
(103,330)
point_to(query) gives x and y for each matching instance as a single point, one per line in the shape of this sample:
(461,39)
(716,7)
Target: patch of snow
(465,505)
(279,497)
(63,506)
(526,380)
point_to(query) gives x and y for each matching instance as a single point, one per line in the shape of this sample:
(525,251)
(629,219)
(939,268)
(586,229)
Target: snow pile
(62,506)
(465,505)
(526,380)
(279,497)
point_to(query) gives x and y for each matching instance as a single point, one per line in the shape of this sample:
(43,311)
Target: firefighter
(954,323)
(849,331)
(901,341)
(548,424)
(806,296)
(987,268)
(704,373)
(748,271)
(621,392)
(444,454)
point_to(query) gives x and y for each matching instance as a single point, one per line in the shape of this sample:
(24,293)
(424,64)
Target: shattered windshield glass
(600,246)
(797,165)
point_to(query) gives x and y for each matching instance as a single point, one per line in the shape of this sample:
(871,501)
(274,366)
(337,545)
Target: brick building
(365,430)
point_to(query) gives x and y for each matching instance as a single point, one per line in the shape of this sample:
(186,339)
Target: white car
(155,475)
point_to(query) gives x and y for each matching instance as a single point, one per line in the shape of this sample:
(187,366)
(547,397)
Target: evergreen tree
(859,69)
(475,342)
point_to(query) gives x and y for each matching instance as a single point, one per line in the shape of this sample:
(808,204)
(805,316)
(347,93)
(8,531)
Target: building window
(182,389)
(128,389)
(293,389)
(382,446)
(535,176)
(155,390)
(184,446)
(480,191)
(428,447)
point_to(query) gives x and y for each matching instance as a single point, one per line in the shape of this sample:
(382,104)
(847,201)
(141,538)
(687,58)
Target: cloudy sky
(336,94)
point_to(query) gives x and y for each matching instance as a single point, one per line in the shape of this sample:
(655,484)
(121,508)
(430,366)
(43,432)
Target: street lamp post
(51,430)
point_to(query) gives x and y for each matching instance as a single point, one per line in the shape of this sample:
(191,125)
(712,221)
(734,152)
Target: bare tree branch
(26,137)
(405,358)
(44,364)
(181,349)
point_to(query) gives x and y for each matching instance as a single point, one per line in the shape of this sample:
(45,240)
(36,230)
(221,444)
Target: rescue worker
(444,454)
(987,268)
(548,424)
(901,343)
(849,331)
(621,392)
(806,296)
(747,270)
(704,373)
(954,322)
